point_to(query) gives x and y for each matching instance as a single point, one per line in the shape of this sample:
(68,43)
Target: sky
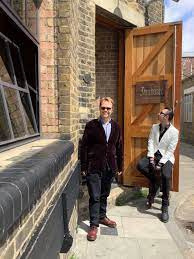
(182,11)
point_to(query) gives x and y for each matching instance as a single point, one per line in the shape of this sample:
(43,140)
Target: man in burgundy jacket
(101,160)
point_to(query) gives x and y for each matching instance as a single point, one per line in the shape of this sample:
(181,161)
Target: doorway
(107,48)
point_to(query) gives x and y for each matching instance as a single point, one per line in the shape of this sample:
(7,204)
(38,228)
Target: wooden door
(152,81)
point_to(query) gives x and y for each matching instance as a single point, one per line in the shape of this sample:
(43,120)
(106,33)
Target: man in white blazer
(162,143)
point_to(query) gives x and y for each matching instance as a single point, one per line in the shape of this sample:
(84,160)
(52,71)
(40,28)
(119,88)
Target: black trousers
(99,186)
(166,174)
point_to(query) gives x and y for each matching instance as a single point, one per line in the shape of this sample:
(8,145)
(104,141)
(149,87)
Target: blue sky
(182,11)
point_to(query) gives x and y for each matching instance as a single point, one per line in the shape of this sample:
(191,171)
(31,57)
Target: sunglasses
(162,113)
(105,108)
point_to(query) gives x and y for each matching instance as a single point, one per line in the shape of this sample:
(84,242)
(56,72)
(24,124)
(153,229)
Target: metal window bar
(7,112)
(32,89)
(26,86)
(7,39)
(17,92)
(23,114)
(14,87)
(33,116)
(22,68)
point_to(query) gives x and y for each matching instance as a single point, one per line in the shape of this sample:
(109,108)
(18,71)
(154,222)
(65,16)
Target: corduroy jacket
(96,152)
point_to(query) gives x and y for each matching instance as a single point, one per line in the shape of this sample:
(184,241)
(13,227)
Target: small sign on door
(151,92)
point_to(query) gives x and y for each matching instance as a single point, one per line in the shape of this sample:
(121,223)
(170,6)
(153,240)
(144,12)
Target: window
(27,10)
(17,113)
(188,103)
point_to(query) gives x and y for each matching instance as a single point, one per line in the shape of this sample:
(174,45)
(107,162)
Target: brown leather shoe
(92,233)
(108,222)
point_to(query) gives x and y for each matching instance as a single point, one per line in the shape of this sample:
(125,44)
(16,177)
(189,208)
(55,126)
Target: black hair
(170,113)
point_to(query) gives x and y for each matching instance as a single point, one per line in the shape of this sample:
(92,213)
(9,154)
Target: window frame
(188,106)
(5,85)
(18,21)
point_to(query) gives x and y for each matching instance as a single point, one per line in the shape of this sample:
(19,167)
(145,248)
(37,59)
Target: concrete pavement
(139,232)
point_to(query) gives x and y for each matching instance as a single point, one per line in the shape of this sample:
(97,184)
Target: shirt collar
(166,127)
(101,120)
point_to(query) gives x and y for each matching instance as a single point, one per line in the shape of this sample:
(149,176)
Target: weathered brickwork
(188,66)
(86,55)
(48,69)
(107,64)
(154,12)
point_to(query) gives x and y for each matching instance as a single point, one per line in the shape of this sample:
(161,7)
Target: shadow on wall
(117,11)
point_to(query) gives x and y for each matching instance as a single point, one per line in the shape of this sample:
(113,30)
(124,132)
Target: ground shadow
(140,205)
(84,226)
(137,198)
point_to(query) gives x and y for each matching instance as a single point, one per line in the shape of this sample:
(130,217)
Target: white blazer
(167,144)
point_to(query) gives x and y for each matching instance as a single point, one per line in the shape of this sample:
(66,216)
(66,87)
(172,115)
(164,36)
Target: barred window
(17,112)
(188,103)
(27,10)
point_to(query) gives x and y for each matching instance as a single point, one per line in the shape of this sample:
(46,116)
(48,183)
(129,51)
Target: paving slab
(114,248)
(159,248)
(144,228)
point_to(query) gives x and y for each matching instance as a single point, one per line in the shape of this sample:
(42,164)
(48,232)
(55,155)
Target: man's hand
(159,166)
(152,163)
(84,173)
(119,173)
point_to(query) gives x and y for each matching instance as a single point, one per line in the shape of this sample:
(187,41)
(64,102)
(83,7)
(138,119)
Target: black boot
(164,216)
(150,201)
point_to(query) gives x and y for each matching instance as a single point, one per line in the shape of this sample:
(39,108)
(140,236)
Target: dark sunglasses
(105,108)
(162,113)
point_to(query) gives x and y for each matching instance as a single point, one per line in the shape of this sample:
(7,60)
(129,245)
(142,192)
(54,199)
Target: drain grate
(108,231)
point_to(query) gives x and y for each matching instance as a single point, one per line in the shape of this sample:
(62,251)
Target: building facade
(187,120)
(57,59)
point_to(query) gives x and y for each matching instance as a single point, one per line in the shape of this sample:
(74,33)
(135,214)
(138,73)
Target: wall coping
(25,173)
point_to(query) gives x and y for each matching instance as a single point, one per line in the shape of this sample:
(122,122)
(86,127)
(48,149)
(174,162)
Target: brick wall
(154,13)
(67,27)
(107,64)
(86,61)
(187,66)
(48,70)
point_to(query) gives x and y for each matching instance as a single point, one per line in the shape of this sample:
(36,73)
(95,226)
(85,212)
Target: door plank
(150,78)
(178,87)
(145,110)
(127,100)
(151,29)
(154,52)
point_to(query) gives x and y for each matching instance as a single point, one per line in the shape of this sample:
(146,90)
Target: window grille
(17,119)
